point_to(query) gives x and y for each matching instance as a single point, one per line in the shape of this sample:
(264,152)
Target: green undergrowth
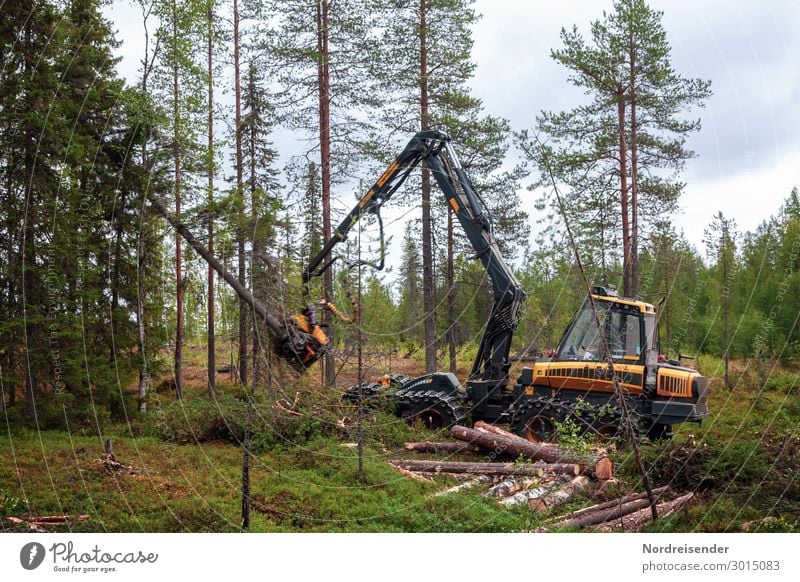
(742,464)
(313,486)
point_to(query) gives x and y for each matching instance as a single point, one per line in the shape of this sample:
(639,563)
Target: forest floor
(743,464)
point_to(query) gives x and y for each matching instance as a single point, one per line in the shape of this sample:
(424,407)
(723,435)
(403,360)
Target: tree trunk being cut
(275,326)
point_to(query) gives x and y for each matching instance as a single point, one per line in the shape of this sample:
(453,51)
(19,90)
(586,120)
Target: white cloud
(749,196)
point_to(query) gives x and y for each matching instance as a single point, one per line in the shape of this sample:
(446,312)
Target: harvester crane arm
(491,366)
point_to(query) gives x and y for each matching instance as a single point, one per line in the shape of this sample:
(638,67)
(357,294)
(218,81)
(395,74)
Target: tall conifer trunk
(144,377)
(623,192)
(242,275)
(428,287)
(451,308)
(323,74)
(257,274)
(28,248)
(634,290)
(178,258)
(212,364)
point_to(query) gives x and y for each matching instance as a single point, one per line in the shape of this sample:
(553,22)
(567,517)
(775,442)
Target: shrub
(199,419)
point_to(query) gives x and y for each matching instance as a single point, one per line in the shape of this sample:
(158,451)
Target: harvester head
(304,343)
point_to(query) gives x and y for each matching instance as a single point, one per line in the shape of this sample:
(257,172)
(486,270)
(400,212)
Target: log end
(537,504)
(604,469)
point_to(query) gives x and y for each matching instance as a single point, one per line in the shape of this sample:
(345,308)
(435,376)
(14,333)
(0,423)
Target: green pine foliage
(618,157)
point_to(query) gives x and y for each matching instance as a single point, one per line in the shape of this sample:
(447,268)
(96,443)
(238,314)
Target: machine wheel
(536,420)
(603,424)
(368,392)
(658,432)
(431,410)
(397,381)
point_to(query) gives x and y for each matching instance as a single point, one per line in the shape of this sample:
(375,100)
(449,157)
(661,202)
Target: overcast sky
(748,151)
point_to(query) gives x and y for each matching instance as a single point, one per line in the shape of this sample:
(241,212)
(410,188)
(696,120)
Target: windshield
(621,325)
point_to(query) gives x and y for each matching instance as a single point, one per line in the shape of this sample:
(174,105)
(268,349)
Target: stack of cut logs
(554,477)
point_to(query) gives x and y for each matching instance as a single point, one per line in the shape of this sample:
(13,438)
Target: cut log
(36,524)
(504,488)
(510,487)
(504,445)
(638,519)
(536,469)
(460,477)
(524,497)
(466,485)
(559,496)
(410,474)
(601,467)
(486,427)
(609,504)
(31,526)
(56,519)
(607,514)
(441,447)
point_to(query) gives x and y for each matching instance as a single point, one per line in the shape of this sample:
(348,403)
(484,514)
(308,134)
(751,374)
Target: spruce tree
(262,185)
(720,240)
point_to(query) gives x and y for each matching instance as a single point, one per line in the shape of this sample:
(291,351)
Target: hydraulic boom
(432,148)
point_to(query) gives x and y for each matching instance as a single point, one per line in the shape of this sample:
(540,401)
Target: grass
(743,464)
(312,487)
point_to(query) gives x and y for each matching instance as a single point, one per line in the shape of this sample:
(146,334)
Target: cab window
(621,327)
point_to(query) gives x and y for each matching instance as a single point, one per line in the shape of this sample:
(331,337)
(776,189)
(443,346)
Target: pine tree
(239,196)
(632,132)
(436,36)
(210,171)
(321,57)
(143,110)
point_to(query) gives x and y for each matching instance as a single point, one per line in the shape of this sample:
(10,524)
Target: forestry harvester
(610,346)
